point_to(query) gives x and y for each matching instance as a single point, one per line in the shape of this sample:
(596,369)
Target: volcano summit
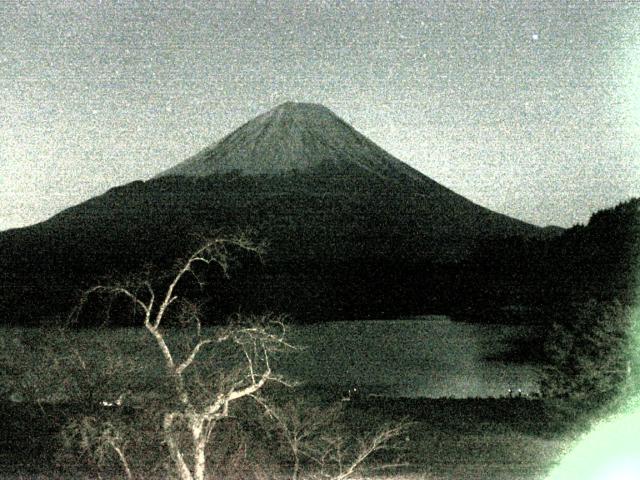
(294,136)
(351,230)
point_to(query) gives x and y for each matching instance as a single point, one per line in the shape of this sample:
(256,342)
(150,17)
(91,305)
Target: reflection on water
(431,357)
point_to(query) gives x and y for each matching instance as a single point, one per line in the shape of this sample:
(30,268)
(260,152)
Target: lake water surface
(427,357)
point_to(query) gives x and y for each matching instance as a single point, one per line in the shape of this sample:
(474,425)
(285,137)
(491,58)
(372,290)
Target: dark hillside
(599,261)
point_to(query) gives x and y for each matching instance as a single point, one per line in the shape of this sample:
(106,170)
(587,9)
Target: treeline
(583,286)
(599,261)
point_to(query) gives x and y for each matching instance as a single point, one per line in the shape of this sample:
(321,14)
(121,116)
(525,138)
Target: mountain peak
(292,136)
(300,106)
(298,112)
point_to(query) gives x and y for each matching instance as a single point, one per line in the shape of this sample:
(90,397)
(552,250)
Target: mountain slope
(294,136)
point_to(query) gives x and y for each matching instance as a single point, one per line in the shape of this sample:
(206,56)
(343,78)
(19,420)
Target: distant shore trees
(589,352)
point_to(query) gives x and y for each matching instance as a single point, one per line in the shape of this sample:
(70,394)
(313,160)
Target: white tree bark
(188,424)
(254,340)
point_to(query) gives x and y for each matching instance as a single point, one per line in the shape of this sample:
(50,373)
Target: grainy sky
(531,108)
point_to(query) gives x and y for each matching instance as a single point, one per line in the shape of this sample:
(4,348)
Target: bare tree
(188,379)
(341,457)
(98,439)
(313,435)
(200,399)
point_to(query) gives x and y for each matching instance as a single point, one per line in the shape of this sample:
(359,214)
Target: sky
(530,108)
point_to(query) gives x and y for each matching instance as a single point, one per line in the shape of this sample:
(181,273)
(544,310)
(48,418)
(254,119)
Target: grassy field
(49,377)
(448,439)
(479,438)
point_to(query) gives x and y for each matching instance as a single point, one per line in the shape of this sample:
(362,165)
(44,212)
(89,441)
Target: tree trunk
(296,467)
(296,459)
(198,433)
(176,455)
(123,460)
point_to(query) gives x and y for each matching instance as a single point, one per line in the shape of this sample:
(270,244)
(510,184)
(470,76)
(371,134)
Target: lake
(427,357)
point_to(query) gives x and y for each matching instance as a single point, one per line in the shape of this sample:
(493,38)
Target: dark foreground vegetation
(523,280)
(54,384)
(446,439)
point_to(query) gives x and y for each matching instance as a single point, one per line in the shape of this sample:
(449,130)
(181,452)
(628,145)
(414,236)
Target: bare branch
(183,469)
(164,349)
(115,290)
(212,251)
(378,441)
(192,356)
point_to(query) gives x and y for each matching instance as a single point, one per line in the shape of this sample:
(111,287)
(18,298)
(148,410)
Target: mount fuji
(351,230)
